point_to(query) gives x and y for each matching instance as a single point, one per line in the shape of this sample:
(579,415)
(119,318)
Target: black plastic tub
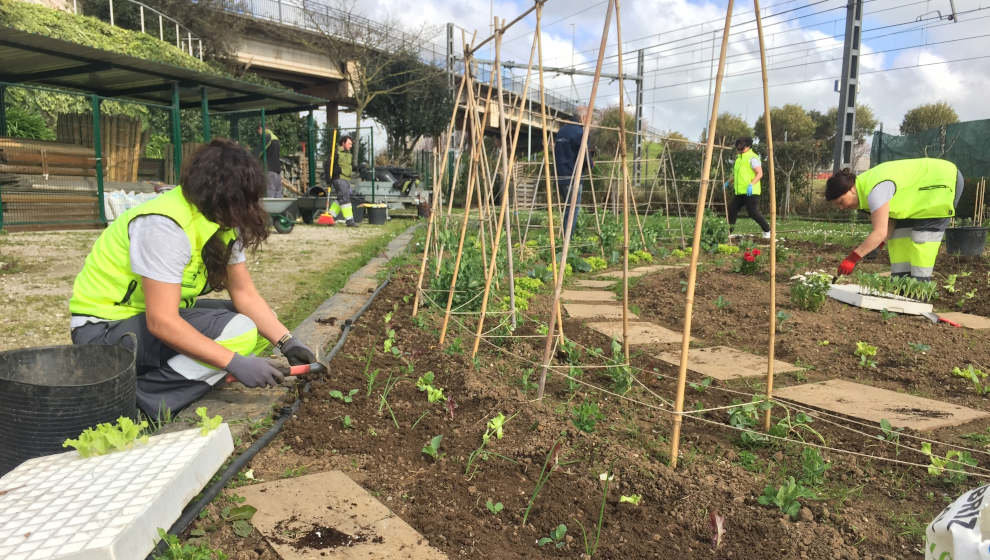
(53,393)
(376,215)
(965,241)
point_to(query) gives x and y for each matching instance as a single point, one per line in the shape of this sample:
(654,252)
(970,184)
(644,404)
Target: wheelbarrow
(283,212)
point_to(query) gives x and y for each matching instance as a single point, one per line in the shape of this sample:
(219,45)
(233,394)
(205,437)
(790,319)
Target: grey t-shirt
(160,251)
(881,194)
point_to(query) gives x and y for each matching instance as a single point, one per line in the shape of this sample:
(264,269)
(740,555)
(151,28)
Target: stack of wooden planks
(37,157)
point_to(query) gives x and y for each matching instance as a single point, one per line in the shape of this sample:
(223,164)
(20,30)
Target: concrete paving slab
(874,404)
(967,320)
(595,310)
(587,295)
(326,508)
(363,285)
(722,362)
(594,283)
(639,333)
(640,271)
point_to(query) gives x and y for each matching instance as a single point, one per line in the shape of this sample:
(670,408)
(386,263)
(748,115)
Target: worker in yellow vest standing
(147,269)
(918,195)
(746,175)
(339,176)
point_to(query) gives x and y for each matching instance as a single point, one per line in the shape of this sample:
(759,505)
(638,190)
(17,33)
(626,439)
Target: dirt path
(37,271)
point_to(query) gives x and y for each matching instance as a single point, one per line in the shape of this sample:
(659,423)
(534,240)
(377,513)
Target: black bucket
(50,394)
(359,213)
(377,216)
(965,241)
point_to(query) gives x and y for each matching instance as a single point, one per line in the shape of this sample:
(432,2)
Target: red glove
(847,265)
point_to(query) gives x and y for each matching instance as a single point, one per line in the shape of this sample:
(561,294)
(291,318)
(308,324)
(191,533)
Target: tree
(865,124)
(790,122)
(414,112)
(367,52)
(605,139)
(927,116)
(728,128)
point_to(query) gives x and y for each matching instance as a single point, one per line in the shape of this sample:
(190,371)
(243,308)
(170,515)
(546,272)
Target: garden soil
(866,508)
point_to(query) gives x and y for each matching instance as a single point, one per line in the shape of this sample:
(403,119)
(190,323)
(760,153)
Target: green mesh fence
(962,143)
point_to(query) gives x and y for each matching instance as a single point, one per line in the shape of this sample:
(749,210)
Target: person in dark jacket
(565,153)
(273,165)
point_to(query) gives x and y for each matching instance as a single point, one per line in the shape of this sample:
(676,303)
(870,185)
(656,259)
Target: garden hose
(191,512)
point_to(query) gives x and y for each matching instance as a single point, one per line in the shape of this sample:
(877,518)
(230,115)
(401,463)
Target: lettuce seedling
(432,448)
(107,438)
(634,499)
(207,424)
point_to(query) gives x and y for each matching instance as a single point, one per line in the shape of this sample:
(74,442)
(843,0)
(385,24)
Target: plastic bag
(962,530)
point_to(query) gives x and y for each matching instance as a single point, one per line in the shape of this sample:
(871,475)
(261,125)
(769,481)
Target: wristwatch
(281,342)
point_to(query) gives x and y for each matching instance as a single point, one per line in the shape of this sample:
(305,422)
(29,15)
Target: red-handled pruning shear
(301,369)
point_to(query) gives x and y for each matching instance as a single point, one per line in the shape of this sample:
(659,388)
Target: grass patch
(312,291)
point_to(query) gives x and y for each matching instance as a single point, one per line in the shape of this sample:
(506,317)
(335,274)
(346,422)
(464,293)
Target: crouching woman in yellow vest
(147,268)
(917,195)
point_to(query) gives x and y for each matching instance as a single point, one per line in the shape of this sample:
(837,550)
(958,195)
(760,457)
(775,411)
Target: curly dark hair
(226,184)
(839,184)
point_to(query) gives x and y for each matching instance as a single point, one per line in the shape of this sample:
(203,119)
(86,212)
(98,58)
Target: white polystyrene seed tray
(108,507)
(849,293)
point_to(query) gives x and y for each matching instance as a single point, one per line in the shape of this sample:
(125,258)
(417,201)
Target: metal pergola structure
(38,60)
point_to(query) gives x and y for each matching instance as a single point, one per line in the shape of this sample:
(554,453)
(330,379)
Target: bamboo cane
(675,440)
(464,221)
(545,138)
(437,188)
(625,190)
(773,214)
(548,347)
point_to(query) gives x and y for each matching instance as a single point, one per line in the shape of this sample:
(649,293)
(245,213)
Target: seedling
(347,422)
(886,315)
(919,348)
(432,448)
(425,383)
(494,508)
(348,398)
(495,427)
(786,497)
(721,303)
(525,383)
(953,465)
(107,438)
(702,385)
(176,550)
(965,298)
(619,371)
(207,424)
(809,290)
(550,464)
(813,467)
(556,537)
(633,499)
(586,415)
(781,317)
(975,376)
(866,353)
(590,548)
(746,417)
(950,283)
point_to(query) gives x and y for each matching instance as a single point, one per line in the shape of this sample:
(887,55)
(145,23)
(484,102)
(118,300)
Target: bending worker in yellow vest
(147,268)
(918,195)
(746,175)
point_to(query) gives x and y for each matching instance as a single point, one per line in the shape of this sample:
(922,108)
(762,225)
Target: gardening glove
(297,352)
(749,190)
(849,263)
(253,372)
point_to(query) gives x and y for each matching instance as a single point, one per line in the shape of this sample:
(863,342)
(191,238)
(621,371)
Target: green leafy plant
(746,417)
(633,499)
(961,302)
(596,263)
(975,376)
(886,315)
(347,422)
(525,381)
(176,550)
(782,316)
(702,385)
(786,497)
(207,424)
(891,434)
(751,262)
(586,415)
(953,465)
(724,249)
(866,354)
(618,370)
(107,438)
(813,467)
(809,290)
(425,383)
(721,303)
(714,231)
(556,537)
(494,428)
(903,286)
(919,348)
(348,398)
(432,448)
(494,508)
(950,283)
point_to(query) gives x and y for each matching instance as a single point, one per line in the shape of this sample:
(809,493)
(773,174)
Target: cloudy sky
(912,52)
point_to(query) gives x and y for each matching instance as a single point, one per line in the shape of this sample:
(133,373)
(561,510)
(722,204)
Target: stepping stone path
(327,515)
(587,295)
(873,404)
(967,320)
(724,363)
(595,310)
(639,333)
(594,283)
(640,271)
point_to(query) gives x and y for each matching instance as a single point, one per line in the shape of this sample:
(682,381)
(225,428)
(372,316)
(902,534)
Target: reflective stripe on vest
(743,173)
(924,187)
(108,288)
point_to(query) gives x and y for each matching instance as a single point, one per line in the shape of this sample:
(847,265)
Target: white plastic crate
(108,507)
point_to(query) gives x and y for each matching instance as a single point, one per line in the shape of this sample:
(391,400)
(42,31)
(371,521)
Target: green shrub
(24,123)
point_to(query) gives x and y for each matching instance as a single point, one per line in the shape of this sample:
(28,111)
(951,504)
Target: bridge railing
(147,17)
